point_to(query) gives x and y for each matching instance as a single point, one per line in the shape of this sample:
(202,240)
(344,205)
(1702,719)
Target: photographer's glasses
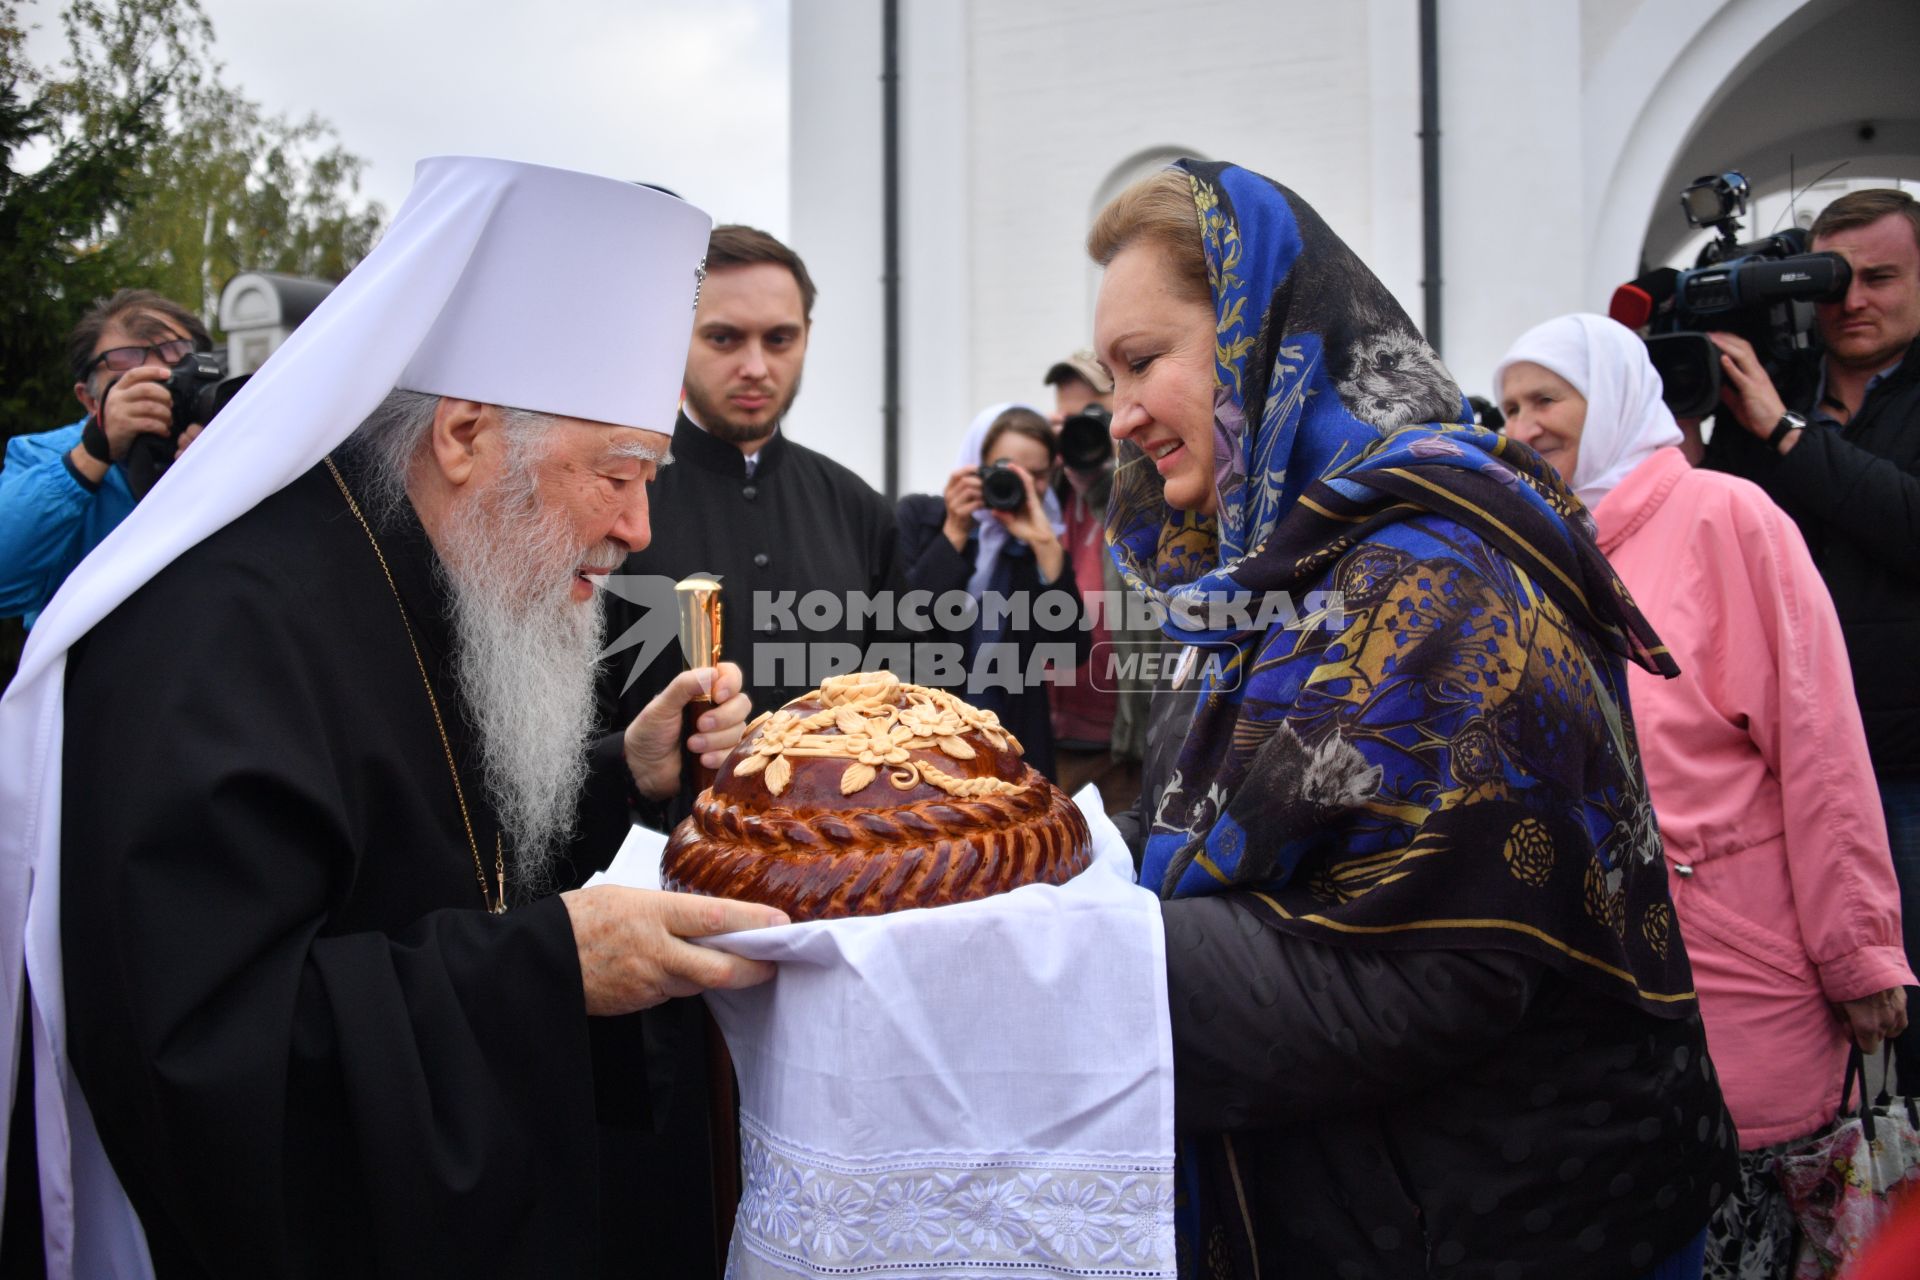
(121,359)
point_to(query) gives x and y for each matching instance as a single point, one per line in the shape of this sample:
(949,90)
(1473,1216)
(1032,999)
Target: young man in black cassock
(772,518)
(324,772)
(775,519)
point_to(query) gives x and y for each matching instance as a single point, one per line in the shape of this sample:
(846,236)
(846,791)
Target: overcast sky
(691,94)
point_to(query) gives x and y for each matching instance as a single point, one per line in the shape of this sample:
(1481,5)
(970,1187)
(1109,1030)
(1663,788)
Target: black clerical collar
(692,444)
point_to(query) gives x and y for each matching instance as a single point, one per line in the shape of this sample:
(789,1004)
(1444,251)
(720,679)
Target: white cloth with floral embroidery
(977,1090)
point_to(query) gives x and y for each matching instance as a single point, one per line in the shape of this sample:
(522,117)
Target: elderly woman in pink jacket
(1775,842)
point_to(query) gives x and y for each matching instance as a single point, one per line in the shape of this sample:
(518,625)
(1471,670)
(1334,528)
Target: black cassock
(309,1049)
(801,523)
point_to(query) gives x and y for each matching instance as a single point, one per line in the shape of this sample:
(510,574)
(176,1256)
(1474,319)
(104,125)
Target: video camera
(200,389)
(1763,290)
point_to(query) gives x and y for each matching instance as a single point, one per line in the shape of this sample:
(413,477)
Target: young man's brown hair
(1860,208)
(733,245)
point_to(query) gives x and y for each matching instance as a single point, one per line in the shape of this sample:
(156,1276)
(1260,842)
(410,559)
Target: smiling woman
(1153,333)
(1758,766)
(1545,412)
(1428,1006)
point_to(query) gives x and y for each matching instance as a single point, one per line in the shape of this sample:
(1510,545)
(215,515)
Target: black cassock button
(749,493)
(761,561)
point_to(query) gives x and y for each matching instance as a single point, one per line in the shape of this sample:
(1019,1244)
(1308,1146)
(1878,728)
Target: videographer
(1837,445)
(63,491)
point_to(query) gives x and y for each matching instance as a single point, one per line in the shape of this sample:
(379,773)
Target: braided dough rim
(866,862)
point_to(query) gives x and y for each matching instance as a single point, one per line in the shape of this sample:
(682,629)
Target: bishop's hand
(653,739)
(633,949)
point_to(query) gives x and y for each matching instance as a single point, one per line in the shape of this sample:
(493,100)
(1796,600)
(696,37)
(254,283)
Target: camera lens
(1001,489)
(1086,439)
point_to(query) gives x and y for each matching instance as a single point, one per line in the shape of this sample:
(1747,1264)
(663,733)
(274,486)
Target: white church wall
(937,263)
(1510,181)
(1559,121)
(1064,94)
(1391,243)
(1601,22)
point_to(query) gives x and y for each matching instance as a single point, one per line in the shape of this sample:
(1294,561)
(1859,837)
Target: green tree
(161,177)
(131,164)
(234,188)
(56,247)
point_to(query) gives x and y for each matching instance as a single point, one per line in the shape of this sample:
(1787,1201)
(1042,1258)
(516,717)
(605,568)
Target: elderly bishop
(306,779)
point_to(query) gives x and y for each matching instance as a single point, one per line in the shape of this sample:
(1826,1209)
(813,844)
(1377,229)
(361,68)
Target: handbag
(1842,1180)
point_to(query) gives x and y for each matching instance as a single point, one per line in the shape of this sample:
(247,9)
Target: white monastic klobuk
(505,283)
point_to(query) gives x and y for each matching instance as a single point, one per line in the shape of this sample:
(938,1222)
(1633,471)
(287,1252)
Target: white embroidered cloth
(978,1090)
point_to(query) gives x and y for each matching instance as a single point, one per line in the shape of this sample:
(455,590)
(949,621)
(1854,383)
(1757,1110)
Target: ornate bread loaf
(869,795)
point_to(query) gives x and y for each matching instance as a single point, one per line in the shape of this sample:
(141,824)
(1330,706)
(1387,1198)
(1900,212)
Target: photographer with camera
(1836,442)
(63,491)
(1100,718)
(996,532)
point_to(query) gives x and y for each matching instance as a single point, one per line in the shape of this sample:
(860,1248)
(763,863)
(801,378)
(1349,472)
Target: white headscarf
(1607,363)
(507,283)
(990,534)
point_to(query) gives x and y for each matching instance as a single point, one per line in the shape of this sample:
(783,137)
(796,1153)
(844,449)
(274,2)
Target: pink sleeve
(1806,723)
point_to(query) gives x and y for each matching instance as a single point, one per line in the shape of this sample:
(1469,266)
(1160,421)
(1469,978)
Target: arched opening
(1135,167)
(1827,108)
(1666,70)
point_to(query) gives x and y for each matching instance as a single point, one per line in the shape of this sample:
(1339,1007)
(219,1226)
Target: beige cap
(1083,366)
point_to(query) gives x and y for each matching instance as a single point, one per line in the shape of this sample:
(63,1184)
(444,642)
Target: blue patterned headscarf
(1427,744)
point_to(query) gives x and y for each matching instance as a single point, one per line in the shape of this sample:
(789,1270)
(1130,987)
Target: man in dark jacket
(1837,445)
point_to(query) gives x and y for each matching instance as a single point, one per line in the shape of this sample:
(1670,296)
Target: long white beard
(525,656)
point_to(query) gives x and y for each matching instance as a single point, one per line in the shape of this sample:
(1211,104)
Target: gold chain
(495,902)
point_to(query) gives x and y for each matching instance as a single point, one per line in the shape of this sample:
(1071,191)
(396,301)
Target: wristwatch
(1789,421)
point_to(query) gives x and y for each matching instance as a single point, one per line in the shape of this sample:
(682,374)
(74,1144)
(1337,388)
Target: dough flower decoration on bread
(874,722)
(799,817)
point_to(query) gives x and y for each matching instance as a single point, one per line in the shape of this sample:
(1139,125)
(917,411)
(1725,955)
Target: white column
(1511,177)
(1393,132)
(937,256)
(835,133)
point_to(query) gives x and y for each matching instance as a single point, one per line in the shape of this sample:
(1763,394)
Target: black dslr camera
(1001,487)
(1763,290)
(1086,439)
(200,388)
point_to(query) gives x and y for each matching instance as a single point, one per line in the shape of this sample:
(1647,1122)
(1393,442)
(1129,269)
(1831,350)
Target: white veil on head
(1627,421)
(494,283)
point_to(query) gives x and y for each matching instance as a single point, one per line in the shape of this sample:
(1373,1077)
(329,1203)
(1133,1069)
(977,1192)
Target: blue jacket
(49,518)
